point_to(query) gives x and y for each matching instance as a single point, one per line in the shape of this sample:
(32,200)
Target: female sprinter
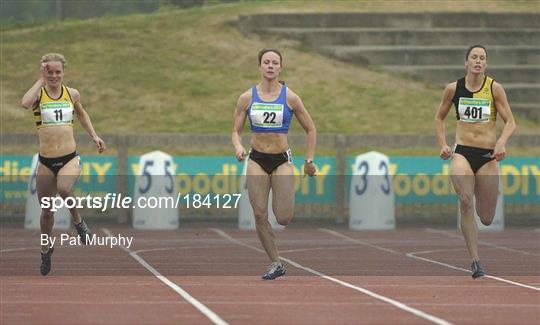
(53,105)
(474,169)
(269,105)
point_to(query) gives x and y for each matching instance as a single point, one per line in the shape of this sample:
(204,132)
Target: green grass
(183,70)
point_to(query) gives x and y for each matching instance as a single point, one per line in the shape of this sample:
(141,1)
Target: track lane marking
(395,303)
(413,255)
(184,294)
(442,232)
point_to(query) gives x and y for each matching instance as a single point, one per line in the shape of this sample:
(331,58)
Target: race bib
(267,115)
(474,110)
(56,113)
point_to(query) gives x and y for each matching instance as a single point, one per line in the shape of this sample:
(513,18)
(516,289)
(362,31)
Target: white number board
(154,202)
(371,202)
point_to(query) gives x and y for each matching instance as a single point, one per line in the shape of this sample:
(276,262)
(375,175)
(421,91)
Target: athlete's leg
(463,181)
(258,183)
(66,179)
(486,191)
(45,187)
(282,183)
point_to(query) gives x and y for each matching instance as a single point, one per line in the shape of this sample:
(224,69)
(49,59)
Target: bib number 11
(58,114)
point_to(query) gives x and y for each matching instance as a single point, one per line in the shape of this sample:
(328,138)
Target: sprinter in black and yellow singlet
(270,106)
(54,105)
(474,169)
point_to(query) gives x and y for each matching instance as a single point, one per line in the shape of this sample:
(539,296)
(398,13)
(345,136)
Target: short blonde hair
(54,57)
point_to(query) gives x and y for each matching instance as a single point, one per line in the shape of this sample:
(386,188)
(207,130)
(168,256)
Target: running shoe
(477,270)
(46,262)
(83,231)
(275,270)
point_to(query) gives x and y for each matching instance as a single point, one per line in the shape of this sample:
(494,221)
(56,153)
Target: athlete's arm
(31,97)
(239,118)
(501,102)
(442,112)
(84,119)
(301,113)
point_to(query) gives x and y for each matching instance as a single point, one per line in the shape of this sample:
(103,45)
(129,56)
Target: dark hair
(266,50)
(473,47)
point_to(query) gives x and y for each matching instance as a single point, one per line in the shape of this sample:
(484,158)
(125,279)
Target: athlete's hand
(309,168)
(100,144)
(43,71)
(499,152)
(446,152)
(241,153)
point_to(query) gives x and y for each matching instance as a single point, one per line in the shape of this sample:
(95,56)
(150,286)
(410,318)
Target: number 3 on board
(371,196)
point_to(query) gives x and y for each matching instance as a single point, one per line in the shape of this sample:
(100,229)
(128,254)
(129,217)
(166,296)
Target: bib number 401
(473,112)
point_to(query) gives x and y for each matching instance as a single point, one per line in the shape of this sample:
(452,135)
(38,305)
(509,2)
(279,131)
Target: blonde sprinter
(53,105)
(474,169)
(269,106)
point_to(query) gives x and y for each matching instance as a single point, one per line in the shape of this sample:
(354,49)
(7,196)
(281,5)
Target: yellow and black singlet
(50,111)
(475,107)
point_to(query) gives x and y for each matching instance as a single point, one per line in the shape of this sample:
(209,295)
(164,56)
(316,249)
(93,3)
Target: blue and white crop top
(269,116)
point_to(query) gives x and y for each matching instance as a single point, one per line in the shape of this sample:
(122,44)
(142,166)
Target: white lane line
(17,249)
(442,232)
(316,249)
(184,294)
(413,255)
(357,241)
(395,303)
(171,248)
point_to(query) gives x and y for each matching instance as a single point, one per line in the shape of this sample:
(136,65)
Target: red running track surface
(334,276)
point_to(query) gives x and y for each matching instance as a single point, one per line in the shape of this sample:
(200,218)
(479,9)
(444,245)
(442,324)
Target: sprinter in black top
(474,169)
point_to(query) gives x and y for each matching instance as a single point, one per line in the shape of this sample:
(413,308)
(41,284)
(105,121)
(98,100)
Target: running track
(334,276)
